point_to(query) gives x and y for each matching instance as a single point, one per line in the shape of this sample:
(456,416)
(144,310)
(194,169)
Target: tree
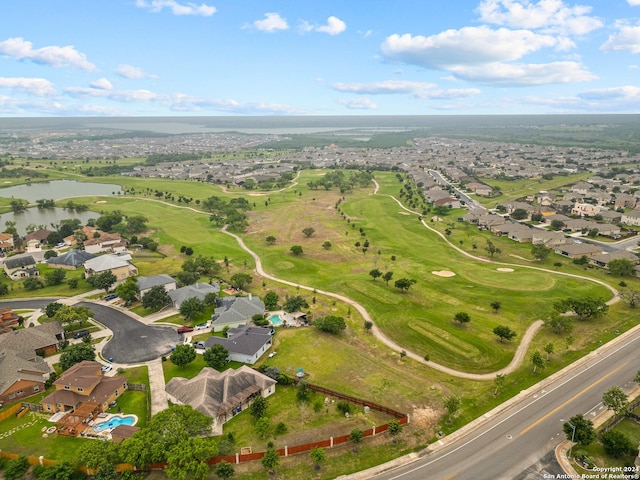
(584,431)
(375,273)
(621,267)
(50,254)
(548,348)
(387,277)
(271,240)
(69,315)
(404,284)
(462,318)
(104,280)
(308,231)
(216,357)
(326,245)
(560,323)
(504,332)
(368,325)
(33,283)
(492,249)
(156,298)
(537,361)
(100,456)
(259,407)
(294,304)
(191,308)
(302,392)
(240,280)
(271,300)
(136,223)
(356,435)
(584,308)
(224,470)
(615,399)
(183,355)
(270,460)
(188,459)
(60,471)
(51,309)
(498,383)
(519,214)
(496,306)
(557,225)
(263,427)
(16,468)
(630,296)
(317,456)
(637,377)
(296,250)
(452,404)
(186,277)
(394,428)
(330,324)
(128,290)
(617,444)
(540,252)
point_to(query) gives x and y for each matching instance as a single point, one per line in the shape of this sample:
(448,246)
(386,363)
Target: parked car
(80,334)
(199,345)
(185,329)
(202,326)
(106,368)
(111,296)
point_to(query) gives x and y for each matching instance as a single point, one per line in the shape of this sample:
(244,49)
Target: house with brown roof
(118,265)
(8,319)
(84,383)
(36,240)
(578,250)
(220,395)
(106,242)
(6,242)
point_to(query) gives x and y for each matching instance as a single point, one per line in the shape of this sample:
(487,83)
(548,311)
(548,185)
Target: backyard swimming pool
(115,421)
(275,320)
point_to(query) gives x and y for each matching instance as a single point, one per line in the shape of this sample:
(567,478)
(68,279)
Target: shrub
(344,407)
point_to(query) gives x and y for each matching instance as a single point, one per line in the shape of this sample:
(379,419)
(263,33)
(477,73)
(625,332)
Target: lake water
(58,189)
(43,217)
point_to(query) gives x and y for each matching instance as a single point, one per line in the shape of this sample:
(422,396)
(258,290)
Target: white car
(202,326)
(273,354)
(106,368)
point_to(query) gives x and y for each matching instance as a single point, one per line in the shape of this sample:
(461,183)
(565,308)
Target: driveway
(132,342)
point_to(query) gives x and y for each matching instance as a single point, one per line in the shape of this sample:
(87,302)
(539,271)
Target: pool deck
(287,319)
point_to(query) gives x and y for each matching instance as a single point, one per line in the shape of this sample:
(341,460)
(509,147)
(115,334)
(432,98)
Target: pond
(43,217)
(59,189)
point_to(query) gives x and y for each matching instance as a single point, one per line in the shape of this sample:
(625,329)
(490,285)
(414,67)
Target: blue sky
(303,57)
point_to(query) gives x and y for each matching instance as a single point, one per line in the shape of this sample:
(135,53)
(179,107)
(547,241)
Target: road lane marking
(542,419)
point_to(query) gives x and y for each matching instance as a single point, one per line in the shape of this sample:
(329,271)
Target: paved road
(507,442)
(133,342)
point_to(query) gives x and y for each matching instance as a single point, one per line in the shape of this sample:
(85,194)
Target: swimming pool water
(275,320)
(114,422)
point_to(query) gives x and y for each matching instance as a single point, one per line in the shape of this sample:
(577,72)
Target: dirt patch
(404,213)
(101,201)
(444,273)
(425,417)
(506,270)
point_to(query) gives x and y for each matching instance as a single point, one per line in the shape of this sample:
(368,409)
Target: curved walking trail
(522,347)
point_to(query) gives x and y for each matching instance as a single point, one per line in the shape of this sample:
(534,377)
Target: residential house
(585,209)
(220,395)
(578,250)
(611,216)
(147,283)
(235,311)
(603,259)
(245,344)
(548,238)
(118,265)
(197,290)
(23,372)
(19,267)
(106,242)
(84,382)
(6,242)
(523,234)
(631,218)
(36,240)
(72,260)
(582,188)
(577,225)
(624,200)
(8,319)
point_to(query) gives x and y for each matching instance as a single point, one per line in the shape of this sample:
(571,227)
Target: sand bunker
(101,201)
(403,213)
(505,269)
(444,273)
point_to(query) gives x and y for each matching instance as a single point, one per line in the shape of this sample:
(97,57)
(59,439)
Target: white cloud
(176,8)
(35,86)
(550,16)
(634,3)
(271,23)
(102,83)
(627,93)
(516,74)
(67,56)
(334,26)
(358,103)
(129,71)
(485,55)
(627,39)
(417,89)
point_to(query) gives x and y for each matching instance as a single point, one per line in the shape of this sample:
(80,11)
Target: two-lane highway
(505,445)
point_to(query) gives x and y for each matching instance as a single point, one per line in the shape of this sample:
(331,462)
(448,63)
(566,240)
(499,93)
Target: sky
(318,57)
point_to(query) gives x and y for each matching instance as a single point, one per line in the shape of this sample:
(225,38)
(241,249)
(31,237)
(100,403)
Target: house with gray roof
(72,260)
(245,344)
(197,290)
(20,267)
(235,311)
(220,395)
(147,283)
(23,372)
(118,265)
